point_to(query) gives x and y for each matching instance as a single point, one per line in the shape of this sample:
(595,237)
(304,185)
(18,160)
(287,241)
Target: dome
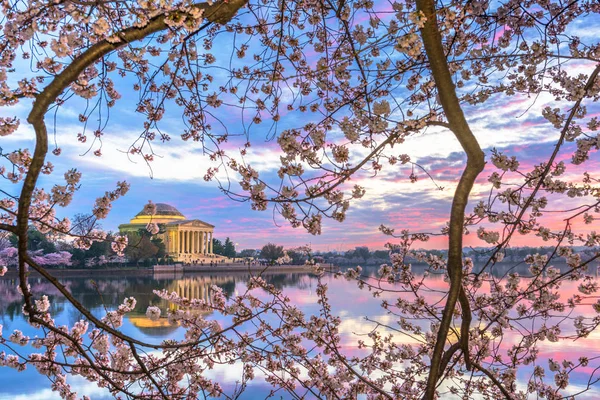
(159,328)
(164,210)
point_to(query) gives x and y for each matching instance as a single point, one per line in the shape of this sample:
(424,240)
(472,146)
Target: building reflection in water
(196,287)
(199,287)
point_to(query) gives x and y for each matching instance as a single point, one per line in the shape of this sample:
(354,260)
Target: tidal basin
(104,291)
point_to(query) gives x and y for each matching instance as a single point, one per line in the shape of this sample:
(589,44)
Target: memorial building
(186,240)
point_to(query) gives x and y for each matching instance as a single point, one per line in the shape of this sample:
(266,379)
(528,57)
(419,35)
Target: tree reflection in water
(346,299)
(106,292)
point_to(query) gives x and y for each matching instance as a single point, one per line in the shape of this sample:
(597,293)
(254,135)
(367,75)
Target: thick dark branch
(448,356)
(458,124)
(9,228)
(218,12)
(439,123)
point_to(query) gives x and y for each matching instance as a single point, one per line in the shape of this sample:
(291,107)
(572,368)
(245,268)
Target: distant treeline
(144,250)
(363,256)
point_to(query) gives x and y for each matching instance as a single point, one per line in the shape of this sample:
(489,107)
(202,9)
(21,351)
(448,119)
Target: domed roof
(163,210)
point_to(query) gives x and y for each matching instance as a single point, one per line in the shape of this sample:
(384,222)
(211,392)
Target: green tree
(160,245)
(35,241)
(97,249)
(140,247)
(77,257)
(298,258)
(362,252)
(229,248)
(247,253)
(382,254)
(218,247)
(271,252)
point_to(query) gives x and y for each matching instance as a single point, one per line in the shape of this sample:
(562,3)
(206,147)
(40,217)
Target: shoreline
(12,273)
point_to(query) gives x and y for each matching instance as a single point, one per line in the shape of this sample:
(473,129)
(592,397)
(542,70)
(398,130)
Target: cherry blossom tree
(60,258)
(365,76)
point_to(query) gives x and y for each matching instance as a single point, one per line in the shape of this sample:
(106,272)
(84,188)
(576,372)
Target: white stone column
(187,242)
(210,246)
(179,241)
(192,246)
(198,242)
(201,240)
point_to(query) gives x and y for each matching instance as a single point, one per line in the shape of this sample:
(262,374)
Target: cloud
(513,124)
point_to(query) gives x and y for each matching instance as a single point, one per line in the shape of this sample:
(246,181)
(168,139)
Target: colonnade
(192,242)
(196,288)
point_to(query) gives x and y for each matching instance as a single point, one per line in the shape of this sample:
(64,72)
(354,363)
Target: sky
(390,200)
(514,125)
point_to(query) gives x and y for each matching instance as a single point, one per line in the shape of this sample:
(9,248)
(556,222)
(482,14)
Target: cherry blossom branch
(148,373)
(218,12)
(491,376)
(590,83)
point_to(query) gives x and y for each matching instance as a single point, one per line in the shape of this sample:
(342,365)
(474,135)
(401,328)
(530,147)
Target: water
(105,291)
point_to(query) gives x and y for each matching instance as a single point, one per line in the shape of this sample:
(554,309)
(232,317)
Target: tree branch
(498,384)
(218,12)
(9,228)
(458,124)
